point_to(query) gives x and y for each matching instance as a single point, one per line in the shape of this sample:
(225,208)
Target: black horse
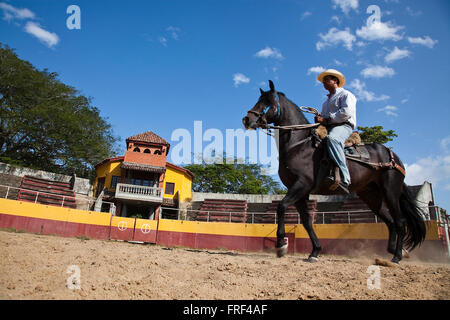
(382,190)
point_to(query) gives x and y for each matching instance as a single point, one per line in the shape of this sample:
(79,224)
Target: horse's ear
(261,90)
(272,87)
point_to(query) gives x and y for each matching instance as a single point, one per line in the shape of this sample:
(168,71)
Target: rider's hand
(320,119)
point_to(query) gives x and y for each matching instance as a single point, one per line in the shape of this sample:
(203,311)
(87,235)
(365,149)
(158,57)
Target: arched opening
(136,149)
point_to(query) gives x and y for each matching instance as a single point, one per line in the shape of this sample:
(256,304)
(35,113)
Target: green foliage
(376,134)
(47,124)
(235,178)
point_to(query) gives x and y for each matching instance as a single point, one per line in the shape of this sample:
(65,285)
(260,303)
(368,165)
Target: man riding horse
(378,179)
(339,116)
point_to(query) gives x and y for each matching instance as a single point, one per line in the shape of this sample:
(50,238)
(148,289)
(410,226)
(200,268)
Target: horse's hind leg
(392,188)
(307,221)
(374,199)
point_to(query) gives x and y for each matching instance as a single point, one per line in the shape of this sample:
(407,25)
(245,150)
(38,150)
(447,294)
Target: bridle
(261,114)
(278,112)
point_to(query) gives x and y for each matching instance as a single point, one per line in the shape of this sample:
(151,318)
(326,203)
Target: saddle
(354,150)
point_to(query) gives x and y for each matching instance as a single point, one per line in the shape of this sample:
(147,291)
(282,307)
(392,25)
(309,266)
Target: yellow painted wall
(327,231)
(112,168)
(40,211)
(183,184)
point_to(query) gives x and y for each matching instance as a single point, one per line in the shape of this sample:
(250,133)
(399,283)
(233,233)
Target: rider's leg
(335,141)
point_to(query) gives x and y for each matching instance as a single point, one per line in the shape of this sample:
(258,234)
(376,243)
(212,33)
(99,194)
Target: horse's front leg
(296,192)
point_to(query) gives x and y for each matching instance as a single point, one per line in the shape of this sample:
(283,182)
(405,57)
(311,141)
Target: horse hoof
(312,259)
(405,253)
(282,251)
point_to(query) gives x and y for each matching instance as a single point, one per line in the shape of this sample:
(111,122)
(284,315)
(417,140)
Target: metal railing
(81,203)
(319,217)
(135,192)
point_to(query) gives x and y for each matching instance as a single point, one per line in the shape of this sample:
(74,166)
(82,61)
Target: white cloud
(163,41)
(268,52)
(10,12)
(380,31)
(346,5)
(317,69)
(413,13)
(425,41)
(445,144)
(239,78)
(49,38)
(432,168)
(173,32)
(305,15)
(405,100)
(397,54)
(363,94)
(377,72)
(336,37)
(336,19)
(435,169)
(389,110)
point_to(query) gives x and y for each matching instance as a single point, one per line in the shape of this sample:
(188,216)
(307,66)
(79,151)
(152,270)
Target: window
(136,149)
(114,181)
(147,151)
(170,188)
(157,152)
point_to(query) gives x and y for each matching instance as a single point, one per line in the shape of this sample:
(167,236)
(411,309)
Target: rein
(291,127)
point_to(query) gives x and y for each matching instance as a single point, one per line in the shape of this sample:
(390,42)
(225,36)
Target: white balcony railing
(142,193)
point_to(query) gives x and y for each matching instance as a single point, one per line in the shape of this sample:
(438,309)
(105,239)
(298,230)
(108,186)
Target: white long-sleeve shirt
(340,107)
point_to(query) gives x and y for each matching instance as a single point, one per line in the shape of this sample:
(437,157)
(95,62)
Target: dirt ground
(38,267)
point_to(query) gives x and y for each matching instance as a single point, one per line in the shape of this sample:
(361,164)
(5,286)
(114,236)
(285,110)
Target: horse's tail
(415,225)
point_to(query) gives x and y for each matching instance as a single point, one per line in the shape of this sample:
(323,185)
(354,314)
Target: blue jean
(336,142)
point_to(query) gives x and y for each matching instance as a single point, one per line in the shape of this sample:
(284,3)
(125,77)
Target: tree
(232,178)
(376,134)
(47,125)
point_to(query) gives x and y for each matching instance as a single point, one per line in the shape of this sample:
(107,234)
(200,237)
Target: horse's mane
(296,107)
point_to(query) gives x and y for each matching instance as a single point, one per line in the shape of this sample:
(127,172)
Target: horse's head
(265,111)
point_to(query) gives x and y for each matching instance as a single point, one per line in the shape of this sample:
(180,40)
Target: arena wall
(335,238)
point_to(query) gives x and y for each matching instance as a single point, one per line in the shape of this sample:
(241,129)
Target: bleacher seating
(358,213)
(291,215)
(46,192)
(219,210)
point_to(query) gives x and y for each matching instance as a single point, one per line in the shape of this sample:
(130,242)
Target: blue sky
(161,65)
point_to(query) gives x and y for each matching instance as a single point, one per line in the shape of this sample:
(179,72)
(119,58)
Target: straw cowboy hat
(332,72)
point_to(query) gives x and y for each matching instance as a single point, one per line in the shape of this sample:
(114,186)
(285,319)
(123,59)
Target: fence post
(323,217)
(37,195)
(230,217)
(62,204)
(207,218)
(7,191)
(348,215)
